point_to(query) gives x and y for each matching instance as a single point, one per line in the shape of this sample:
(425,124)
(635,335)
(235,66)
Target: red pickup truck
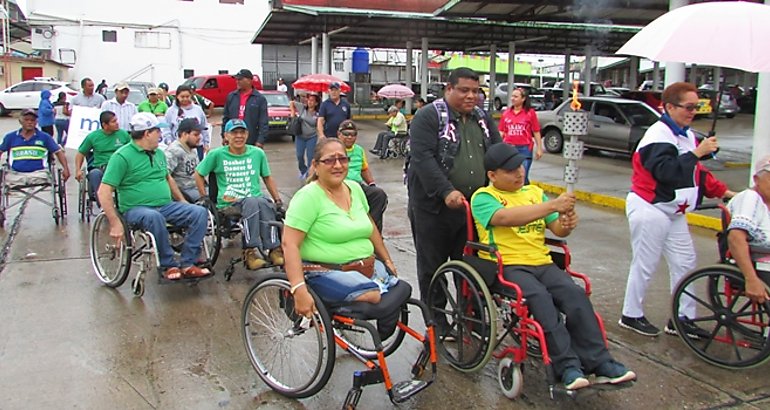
(216,87)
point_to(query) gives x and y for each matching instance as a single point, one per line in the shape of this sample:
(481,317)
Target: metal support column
(424,69)
(409,68)
(314,55)
(511,69)
(325,49)
(566,83)
(493,78)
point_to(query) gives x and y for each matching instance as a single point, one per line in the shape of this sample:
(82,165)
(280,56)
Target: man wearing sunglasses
(667,182)
(358,170)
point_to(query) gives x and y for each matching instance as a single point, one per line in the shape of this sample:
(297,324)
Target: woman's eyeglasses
(688,107)
(333,160)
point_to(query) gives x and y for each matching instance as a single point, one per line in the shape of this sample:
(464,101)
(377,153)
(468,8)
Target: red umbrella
(319,83)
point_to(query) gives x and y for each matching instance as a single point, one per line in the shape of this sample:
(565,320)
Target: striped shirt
(124,112)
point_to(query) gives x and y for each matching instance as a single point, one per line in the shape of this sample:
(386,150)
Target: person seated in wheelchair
(750,227)
(358,171)
(100,144)
(138,172)
(397,127)
(329,239)
(513,217)
(182,158)
(238,168)
(29,152)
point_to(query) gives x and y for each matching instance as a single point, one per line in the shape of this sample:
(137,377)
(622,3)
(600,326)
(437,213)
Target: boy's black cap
(503,156)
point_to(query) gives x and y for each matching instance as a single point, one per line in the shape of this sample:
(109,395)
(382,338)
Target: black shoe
(639,325)
(375,152)
(690,328)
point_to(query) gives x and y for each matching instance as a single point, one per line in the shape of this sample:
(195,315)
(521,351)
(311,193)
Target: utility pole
(6,43)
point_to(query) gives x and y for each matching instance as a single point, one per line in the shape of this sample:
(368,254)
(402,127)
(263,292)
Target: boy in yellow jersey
(513,217)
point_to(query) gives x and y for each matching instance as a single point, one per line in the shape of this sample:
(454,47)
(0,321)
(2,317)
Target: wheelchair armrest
(555,242)
(481,247)
(276,224)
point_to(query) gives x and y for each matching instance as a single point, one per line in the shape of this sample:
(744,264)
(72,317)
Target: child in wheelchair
(513,217)
(238,168)
(750,228)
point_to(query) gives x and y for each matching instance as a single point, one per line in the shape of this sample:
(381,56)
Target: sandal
(195,272)
(173,273)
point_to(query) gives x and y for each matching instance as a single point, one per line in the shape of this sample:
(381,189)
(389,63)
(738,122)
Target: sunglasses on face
(333,160)
(688,107)
(349,133)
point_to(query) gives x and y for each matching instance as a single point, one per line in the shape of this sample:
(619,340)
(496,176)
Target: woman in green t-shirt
(327,225)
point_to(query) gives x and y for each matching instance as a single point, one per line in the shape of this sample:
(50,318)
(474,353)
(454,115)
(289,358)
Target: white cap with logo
(145,121)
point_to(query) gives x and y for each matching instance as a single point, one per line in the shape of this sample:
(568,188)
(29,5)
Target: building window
(223,72)
(339,66)
(187,73)
(230,1)
(109,36)
(152,39)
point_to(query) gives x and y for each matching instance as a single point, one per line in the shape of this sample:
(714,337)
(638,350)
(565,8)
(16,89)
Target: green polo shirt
(357,163)
(159,108)
(103,145)
(139,176)
(468,174)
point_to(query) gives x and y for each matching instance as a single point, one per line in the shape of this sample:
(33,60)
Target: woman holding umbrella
(305,141)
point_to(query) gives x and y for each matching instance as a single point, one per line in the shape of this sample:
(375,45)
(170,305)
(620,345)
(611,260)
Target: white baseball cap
(145,121)
(763,164)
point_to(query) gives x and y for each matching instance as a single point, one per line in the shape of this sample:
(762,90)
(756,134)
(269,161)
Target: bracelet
(295,287)
(371,183)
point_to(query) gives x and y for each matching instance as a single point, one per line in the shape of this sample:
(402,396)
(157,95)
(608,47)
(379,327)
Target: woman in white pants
(667,182)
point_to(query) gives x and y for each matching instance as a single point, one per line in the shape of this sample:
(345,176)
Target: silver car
(614,124)
(536,98)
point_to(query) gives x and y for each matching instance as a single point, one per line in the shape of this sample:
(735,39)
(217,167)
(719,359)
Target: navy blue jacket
(255,115)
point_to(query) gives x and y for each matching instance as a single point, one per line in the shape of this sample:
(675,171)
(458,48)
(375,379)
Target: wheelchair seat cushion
(391,301)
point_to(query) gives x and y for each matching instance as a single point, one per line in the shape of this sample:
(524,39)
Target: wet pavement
(66,341)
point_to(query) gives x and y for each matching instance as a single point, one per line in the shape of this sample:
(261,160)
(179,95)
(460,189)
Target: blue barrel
(360,60)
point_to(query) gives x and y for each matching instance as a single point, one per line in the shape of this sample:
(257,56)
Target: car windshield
(194,81)
(639,114)
(277,100)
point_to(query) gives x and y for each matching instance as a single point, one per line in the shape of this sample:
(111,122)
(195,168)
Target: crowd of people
(332,238)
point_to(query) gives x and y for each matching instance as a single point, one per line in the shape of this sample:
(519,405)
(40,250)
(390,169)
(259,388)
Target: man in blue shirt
(29,150)
(332,112)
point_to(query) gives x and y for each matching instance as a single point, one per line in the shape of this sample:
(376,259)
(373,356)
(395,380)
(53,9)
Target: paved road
(68,342)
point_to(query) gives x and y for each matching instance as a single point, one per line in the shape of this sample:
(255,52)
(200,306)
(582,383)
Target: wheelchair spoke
(713,335)
(700,301)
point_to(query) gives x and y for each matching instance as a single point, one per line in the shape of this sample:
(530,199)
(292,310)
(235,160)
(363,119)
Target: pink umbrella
(395,91)
(319,83)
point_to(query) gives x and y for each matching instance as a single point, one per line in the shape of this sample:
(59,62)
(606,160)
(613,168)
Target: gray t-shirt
(309,120)
(94,101)
(181,164)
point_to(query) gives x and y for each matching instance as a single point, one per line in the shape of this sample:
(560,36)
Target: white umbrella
(726,34)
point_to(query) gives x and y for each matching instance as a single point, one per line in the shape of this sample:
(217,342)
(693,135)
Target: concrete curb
(703,221)
(736,164)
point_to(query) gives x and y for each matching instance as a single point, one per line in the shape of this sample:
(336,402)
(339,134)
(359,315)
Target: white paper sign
(84,120)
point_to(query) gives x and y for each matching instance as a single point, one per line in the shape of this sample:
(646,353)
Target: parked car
(216,87)
(652,98)
(728,105)
(143,86)
(136,96)
(26,94)
(646,85)
(619,90)
(537,100)
(614,124)
(596,88)
(277,112)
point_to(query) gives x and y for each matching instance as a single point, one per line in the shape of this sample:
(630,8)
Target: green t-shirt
(139,176)
(103,145)
(159,108)
(237,175)
(331,234)
(357,163)
(518,245)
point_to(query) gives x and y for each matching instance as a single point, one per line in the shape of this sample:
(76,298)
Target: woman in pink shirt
(519,127)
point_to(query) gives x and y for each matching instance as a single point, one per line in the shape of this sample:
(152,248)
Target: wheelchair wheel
(61,192)
(361,341)
(212,242)
(111,262)
(291,354)
(465,316)
(84,201)
(510,378)
(739,330)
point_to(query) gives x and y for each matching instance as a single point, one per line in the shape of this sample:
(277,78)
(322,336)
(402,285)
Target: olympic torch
(575,125)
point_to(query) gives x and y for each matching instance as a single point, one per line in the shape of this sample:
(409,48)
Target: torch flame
(575,105)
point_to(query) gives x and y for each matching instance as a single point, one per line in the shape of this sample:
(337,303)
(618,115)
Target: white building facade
(147,40)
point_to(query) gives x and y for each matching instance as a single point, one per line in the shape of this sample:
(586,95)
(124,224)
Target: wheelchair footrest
(403,390)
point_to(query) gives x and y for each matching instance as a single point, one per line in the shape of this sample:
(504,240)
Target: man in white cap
(120,105)
(139,174)
(750,227)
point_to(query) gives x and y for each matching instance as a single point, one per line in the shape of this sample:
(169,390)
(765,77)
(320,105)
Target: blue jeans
(524,150)
(61,131)
(94,177)
(336,286)
(193,218)
(256,213)
(305,149)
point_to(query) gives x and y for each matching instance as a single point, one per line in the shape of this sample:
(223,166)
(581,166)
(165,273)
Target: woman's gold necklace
(345,205)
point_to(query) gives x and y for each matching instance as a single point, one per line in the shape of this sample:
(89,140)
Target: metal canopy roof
(465,25)
(292,25)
